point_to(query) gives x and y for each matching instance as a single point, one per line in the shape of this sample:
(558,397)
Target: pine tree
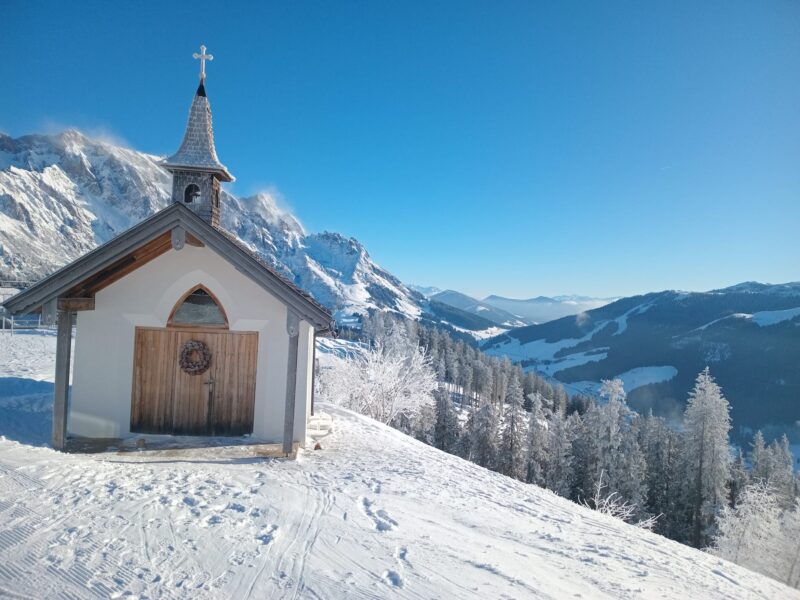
(627,467)
(781,478)
(560,469)
(446,431)
(759,464)
(706,453)
(423,423)
(659,444)
(740,479)
(481,442)
(789,545)
(538,442)
(513,447)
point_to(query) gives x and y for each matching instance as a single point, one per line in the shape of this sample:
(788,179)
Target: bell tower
(196,170)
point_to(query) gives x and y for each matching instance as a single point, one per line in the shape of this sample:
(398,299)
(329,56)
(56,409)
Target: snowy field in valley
(635,378)
(374,514)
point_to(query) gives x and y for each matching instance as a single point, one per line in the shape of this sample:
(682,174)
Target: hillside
(468,304)
(373,514)
(657,343)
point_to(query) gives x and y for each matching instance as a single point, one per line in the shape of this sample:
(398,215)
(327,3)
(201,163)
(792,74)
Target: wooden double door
(220,401)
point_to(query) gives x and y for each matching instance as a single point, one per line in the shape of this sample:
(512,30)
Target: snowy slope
(61,195)
(374,514)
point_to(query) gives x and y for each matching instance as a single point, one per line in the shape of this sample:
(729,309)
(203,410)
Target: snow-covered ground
(482,334)
(373,514)
(28,354)
(632,379)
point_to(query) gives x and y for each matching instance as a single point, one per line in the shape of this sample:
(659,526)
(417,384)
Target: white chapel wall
(103,365)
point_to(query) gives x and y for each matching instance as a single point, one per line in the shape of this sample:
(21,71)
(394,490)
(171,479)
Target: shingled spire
(196,170)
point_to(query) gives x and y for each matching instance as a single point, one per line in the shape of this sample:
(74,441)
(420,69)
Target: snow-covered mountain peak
(266,206)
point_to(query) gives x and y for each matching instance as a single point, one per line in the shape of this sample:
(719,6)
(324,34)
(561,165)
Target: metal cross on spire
(203,58)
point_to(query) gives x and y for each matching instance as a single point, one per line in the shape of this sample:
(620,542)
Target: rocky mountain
(748,334)
(542,309)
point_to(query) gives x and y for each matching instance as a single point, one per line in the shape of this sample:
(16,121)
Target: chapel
(179,328)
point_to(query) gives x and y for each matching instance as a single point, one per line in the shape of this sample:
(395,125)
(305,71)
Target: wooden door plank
(151,401)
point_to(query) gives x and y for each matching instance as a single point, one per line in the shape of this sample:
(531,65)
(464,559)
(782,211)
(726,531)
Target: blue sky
(517,148)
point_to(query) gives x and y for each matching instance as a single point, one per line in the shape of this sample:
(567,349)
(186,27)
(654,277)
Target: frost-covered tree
(447,428)
(512,453)
(747,532)
(774,466)
(613,505)
(392,380)
(612,390)
(608,444)
(760,534)
(706,452)
(782,478)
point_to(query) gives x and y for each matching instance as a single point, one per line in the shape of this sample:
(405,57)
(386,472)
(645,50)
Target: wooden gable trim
(75,304)
(123,254)
(126,265)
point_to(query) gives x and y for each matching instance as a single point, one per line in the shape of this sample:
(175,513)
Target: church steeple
(196,170)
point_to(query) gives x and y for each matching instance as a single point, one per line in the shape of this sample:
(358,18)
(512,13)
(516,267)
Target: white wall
(103,362)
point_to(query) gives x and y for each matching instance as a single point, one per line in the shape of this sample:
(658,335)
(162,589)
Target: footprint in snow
(212,520)
(383,521)
(393,578)
(267,535)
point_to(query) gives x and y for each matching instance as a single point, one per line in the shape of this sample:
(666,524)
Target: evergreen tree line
(686,483)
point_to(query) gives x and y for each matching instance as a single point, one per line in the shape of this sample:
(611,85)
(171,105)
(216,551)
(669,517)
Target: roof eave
(220,171)
(161,222)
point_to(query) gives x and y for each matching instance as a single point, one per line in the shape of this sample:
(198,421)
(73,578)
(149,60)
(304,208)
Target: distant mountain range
(496,315)
(543,309)
(510,312)
(748,334)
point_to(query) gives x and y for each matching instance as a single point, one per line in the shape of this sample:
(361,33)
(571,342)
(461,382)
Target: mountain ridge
(749,335)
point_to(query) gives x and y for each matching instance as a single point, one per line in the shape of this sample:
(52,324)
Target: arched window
(191,193)
(198,308)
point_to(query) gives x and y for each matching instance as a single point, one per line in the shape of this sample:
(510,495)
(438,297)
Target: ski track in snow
(374,514)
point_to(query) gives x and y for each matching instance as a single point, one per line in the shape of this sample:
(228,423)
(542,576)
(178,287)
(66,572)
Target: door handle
(210,407)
